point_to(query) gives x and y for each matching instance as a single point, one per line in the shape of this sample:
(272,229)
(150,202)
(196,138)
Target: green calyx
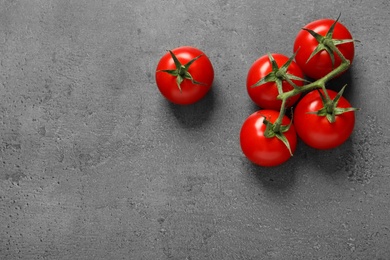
(330,109)
(181,72)
(277,130)
(327,42)
(278,75)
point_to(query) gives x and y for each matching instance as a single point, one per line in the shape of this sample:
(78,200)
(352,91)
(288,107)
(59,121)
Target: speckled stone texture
(96,164)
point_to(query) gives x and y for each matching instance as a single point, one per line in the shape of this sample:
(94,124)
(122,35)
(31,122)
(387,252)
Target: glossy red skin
(316,131)
(321,64)
(201,71)
(265,95)
(261,150)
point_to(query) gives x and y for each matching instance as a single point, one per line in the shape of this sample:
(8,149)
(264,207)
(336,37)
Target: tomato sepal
(330,109)
(278,75)
(274,130)
(327,43)
(181,71)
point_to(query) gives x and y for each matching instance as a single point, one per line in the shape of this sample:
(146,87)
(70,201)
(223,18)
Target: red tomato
(260,149)
(321,63)
(316,131)
(188,91)
(265,95)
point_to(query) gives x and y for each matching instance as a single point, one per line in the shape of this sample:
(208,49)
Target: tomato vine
(329,46)
(338,63)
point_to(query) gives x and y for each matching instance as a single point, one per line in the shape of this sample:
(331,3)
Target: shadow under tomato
(332,163)
(196,114)
(273,179)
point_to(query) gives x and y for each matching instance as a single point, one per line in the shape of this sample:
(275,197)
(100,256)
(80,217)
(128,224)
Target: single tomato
(262,150)
(313,55)
(184,75)
(266,79)
(316,130)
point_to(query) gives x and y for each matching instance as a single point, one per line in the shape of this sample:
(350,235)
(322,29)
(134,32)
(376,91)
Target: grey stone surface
(95,164)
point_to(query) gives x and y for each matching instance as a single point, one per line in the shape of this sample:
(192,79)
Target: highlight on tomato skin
(258,148)
(180,84)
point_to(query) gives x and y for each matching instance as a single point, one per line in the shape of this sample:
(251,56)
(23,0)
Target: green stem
(318,84)
(278,121)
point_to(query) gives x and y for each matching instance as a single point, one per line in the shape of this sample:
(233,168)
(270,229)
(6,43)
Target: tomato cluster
(322,118)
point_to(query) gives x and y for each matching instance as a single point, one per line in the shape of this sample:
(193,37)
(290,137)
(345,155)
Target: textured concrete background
(95,164)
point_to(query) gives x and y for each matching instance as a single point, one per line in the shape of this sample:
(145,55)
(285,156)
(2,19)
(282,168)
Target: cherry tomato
(265,95)
(321,63)
(196,80)
(316,131)
(260,149)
